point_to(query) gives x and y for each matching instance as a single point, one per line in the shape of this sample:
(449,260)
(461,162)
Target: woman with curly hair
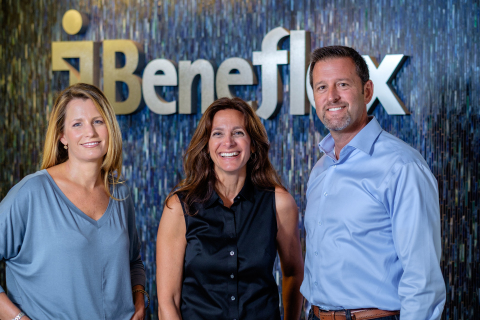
(223,224)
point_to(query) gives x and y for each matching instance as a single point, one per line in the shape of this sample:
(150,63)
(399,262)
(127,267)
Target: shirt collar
(246,193)
(213,199)
(363,141)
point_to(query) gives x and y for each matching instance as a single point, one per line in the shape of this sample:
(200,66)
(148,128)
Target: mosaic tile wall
(439,84)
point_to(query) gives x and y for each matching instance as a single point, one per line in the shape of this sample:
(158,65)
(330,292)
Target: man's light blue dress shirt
(373,228)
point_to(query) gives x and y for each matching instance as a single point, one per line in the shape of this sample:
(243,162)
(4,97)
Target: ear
(62,139)
(368,91)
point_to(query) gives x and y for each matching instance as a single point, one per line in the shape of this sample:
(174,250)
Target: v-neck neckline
(98,223)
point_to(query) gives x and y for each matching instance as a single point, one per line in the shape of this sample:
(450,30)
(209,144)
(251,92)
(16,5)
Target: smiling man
(372,219)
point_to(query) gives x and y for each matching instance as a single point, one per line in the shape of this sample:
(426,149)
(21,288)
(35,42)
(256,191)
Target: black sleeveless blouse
(228,267)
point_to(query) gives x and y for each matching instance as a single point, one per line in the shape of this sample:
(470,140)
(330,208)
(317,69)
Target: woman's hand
(139,313)
(139,302)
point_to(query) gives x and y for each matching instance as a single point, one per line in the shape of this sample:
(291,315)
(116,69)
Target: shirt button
(325,194)
(335,166)
(316,283)
(232,253)
(232,297)
(232,276)
(316,253)
(319,223)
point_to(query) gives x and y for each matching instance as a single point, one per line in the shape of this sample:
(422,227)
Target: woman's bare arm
(290,253)
(8,310)
(171,244)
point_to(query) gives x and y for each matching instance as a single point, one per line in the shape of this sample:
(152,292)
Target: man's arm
(412,200)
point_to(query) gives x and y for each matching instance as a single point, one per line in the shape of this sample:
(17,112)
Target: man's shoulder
(320,165)
(395,150)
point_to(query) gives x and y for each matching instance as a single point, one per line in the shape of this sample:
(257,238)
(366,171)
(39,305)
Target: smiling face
(85,132)
(229,143)
(340,97)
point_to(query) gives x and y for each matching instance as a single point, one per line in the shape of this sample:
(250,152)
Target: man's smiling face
(340,97)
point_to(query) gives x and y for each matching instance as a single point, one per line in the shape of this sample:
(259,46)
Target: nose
(229,141)
(333,95)
(90,131)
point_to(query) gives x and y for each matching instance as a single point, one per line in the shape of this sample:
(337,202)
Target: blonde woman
(68,232)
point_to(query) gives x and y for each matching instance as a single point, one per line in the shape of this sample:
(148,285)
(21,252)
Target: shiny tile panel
(439,84)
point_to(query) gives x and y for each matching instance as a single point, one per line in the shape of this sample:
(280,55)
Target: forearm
(292,298)
(8,310)
(168,310)
(138,297)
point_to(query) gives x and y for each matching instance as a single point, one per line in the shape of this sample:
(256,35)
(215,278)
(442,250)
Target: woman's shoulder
(32,182)
(284,200)
(30,186)
(120,189)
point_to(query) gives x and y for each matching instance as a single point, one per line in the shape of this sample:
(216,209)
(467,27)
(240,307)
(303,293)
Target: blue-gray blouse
(60,263)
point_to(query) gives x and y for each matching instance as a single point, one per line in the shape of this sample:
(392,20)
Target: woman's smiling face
(85,132)
(229,143)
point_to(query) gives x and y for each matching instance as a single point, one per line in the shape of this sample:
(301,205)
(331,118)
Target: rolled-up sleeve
(412,200)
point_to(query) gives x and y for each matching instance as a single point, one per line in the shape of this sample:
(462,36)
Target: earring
(65,146)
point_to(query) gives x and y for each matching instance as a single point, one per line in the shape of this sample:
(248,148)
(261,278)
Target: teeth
(91,143)
(334,109)
(229,154)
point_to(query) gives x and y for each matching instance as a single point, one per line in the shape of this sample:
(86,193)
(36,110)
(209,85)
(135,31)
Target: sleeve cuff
(137,274)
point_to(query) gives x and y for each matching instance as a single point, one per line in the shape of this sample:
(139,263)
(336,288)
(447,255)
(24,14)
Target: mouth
(335,108)
(91,144)
(229,154)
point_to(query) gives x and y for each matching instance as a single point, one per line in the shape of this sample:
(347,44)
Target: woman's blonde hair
(53,151)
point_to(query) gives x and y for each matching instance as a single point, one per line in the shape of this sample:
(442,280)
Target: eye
(98,121)
(76,124)
(216,134)
(343,84)
(239,133)
(321,88)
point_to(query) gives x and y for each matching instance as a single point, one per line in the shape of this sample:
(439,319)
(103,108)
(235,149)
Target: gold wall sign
(88,52)
(114,74)
(123,62)
(75,22)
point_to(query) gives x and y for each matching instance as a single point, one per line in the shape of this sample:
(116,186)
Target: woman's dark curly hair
(200,178)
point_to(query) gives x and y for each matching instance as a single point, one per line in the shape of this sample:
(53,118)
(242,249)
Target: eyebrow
(336,80)
(234,128)
(94,118)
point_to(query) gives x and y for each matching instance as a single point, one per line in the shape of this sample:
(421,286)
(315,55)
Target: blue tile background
(439,84)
